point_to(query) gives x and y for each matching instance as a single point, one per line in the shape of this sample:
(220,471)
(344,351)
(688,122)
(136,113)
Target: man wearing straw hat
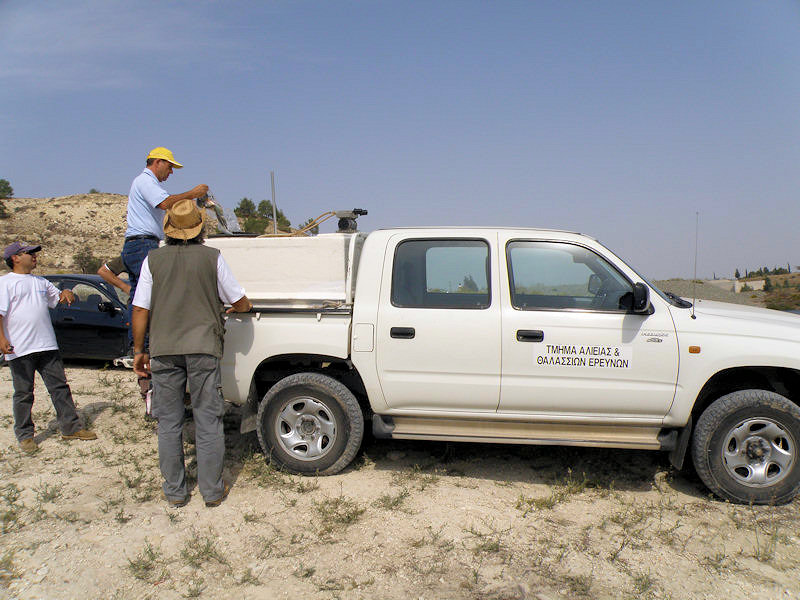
(182,288)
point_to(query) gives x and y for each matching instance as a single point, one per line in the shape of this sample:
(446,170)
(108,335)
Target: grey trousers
(170,376)
(51,369)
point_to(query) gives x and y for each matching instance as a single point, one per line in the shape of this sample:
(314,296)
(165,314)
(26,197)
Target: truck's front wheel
(746,447)
(310,423)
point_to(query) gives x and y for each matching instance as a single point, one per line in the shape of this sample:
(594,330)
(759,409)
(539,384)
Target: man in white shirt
(29,343)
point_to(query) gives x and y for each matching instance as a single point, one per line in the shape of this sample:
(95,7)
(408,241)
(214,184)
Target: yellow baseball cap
(164,154)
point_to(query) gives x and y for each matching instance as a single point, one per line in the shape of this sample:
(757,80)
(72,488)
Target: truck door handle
(402,333)
(530,335)
(68,319)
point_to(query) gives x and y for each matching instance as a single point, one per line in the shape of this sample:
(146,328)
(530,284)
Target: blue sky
(616,119)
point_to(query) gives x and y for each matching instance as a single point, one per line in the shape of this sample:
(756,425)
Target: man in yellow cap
(147,202)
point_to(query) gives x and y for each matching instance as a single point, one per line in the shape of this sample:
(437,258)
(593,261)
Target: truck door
(438,327)
(571,345)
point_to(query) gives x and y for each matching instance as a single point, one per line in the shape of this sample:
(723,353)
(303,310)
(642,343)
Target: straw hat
(184,220)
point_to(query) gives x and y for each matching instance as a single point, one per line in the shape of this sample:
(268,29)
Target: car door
(82,329)
(572,345)
(438,325)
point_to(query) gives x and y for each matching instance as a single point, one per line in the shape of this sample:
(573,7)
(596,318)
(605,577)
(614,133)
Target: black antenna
(694,281)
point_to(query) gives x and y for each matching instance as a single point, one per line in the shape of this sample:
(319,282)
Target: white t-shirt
(24,300)
(228,288)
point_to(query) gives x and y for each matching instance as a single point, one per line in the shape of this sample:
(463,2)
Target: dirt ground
(406,520)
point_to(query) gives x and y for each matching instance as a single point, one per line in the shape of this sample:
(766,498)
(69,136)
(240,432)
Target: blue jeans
(51,369)
(133,254)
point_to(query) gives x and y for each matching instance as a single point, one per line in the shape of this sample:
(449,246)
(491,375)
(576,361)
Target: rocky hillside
(66,225)
(706,291)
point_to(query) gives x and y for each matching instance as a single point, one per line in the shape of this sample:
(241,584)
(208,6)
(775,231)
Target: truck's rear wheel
(746,447)
(310,423)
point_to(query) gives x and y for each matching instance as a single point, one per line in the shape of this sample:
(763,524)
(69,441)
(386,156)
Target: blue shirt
(144,218)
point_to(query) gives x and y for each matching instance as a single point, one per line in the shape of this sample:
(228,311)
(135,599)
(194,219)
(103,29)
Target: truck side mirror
(641,298)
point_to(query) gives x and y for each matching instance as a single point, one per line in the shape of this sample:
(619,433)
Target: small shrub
(86,262)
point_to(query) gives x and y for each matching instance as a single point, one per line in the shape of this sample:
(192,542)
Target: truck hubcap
(306,428)
(758,452)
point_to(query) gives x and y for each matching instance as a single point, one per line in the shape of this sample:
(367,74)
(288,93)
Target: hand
(141,364)
(6,347)
(243,304)
(199,191)
(67,296)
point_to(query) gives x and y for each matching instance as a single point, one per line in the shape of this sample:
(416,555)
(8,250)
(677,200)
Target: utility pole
(274,206)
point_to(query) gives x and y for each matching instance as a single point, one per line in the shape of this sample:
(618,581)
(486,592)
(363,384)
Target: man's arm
(141,361)
(5,345)
(196,192)
(109,276)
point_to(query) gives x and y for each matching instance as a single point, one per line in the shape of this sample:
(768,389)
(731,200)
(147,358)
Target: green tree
(6,191)
(737,275)
(86,261)
(768,287)
(255,225)
(245,209)
(264,209)
(94,191)
(265,212)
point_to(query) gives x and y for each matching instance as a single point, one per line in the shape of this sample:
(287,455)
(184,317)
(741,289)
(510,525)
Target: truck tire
(310,423)
(746,446)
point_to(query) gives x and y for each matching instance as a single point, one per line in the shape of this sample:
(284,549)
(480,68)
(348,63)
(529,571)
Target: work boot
(28,445)
(176,503)
(81,434)
(225,491)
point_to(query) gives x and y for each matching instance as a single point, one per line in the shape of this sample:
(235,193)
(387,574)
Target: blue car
(94,326)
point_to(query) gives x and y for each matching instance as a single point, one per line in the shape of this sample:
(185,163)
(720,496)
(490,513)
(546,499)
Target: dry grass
(407,520)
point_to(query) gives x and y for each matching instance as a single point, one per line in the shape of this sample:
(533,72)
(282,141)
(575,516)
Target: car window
(87,296)
(554,275)
(441,273)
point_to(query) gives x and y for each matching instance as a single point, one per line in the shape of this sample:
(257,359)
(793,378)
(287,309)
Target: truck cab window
(441,274)
(554,275)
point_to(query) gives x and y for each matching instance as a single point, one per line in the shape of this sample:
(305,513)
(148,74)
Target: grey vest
(185,309)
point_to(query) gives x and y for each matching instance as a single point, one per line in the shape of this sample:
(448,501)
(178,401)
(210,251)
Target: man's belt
(142,237)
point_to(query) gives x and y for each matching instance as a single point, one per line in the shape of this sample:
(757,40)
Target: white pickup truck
(515,335)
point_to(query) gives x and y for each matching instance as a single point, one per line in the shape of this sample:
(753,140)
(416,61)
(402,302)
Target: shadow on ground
(603,468)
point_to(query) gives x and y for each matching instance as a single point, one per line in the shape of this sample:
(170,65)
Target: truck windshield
(673,299)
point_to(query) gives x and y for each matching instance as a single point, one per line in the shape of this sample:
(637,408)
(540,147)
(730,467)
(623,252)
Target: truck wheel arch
(273,369)
(783,381)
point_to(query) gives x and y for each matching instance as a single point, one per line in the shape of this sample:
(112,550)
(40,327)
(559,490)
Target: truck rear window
(441,273)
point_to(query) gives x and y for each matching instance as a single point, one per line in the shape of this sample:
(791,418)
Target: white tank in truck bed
(294,272)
